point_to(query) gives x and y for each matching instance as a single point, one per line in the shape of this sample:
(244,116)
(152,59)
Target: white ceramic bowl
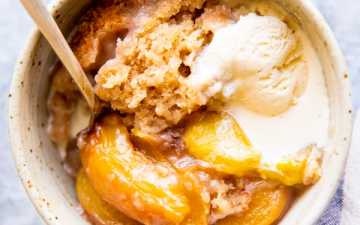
(52,191)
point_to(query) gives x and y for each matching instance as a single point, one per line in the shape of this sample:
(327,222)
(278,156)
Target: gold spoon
(53,35)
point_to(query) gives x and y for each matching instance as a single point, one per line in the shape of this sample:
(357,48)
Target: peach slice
(302,168)
(218,139)
(153,144)
(148,191)
(98,211)
(267,206)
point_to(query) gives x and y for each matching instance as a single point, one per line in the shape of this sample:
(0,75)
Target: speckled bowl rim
(22,62)
(25,60)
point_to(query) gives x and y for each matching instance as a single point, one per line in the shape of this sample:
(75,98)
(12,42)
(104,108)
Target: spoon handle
(52,33)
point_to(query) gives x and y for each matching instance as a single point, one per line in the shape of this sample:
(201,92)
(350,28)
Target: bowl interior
(52,190)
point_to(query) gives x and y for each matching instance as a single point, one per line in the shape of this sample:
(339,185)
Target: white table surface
(15,209)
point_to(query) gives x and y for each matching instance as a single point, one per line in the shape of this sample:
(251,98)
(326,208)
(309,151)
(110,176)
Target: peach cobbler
(215,112)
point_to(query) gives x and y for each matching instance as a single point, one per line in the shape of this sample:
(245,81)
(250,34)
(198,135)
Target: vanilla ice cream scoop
(273,92)
(255,61)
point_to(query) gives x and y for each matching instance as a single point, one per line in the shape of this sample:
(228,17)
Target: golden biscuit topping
(147,76)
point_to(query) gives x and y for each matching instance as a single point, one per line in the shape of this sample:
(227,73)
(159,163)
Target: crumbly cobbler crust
(147,76)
